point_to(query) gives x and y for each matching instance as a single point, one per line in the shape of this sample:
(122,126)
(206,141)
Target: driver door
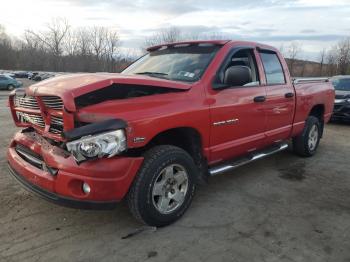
(237,112)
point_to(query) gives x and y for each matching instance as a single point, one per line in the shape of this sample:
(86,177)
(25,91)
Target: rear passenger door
(280,98)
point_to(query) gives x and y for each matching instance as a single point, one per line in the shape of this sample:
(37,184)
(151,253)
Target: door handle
(289,95)
(259,99)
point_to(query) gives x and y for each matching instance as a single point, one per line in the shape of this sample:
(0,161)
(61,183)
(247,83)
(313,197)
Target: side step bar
(242,161)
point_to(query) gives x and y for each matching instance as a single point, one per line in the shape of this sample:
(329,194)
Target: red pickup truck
(181,113)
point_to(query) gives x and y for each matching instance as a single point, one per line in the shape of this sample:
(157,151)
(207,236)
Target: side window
(273,68)
(241,70)
(2,78)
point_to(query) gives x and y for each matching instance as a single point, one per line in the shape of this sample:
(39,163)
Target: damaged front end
(44,113)
(97,140)
(54,113)
(66,125)
(119,92)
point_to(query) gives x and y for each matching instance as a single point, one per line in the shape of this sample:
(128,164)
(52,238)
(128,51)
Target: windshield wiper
(155,74)
(151,73)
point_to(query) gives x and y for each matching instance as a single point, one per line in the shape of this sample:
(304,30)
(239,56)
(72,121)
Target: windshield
(184,63)
(341,84)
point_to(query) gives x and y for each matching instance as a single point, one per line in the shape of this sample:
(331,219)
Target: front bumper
(57,199)
(109,179)
(341,111)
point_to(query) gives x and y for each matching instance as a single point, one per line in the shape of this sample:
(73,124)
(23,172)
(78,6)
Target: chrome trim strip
(226,122)
(223,168)
(307,80)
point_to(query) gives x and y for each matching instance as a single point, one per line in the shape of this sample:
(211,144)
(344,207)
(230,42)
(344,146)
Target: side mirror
(237,76)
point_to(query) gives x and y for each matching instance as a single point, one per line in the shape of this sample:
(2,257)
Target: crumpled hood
(71,86)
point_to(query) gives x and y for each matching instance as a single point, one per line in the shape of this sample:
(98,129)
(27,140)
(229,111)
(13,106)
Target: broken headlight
(97,146)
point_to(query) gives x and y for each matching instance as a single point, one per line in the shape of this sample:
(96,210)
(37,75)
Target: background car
(342,98)
(31,75)
(39,76)
(21,74)
(10,74)
(42,76)
(47,75)
(8,83)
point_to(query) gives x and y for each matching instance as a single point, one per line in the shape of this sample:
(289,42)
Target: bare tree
(83,41)
(164,36)
(84,49)
(6,49)
(331,61)
(112,49)
(99,39)
(343,56)
(322,58)
(53,38)
(34,54)
(60,48)
(293,52)
(3,34)
(71,43)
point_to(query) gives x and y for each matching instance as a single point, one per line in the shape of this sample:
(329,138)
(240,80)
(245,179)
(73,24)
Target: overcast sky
(316,24)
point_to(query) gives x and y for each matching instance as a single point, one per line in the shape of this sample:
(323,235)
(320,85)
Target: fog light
(86,188)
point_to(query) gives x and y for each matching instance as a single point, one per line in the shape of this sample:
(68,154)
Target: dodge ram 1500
(151,134)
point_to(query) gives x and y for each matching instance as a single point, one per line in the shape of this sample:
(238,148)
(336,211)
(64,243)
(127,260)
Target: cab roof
(211,42)
(199,42)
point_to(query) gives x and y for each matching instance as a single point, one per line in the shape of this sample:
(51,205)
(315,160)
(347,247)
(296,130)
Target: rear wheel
(307,142)
(10,87)
(164,186)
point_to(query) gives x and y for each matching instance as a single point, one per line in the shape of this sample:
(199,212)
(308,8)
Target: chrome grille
(56,126)
(56,120)
(53,102)
(55,131)
(31,118)
(26,102)
(37,119)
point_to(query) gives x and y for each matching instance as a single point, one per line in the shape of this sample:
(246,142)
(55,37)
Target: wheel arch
(187,138)
(318,112)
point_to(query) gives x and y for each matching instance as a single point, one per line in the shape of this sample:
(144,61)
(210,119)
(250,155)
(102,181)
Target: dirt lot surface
(283,208)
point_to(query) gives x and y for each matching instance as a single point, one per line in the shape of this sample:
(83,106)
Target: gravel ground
(282,208)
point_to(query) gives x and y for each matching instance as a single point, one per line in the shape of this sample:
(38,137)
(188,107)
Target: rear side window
(273,68)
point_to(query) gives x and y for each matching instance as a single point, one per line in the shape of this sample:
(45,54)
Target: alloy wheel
(170,188)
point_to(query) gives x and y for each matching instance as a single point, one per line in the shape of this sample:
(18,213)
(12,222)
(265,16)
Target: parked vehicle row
(36,76)
(21,74)
(41,76)
(31,75)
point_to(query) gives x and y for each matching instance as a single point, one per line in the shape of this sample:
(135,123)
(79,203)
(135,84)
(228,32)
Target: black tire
(10,87)
(301,145)
(141,198)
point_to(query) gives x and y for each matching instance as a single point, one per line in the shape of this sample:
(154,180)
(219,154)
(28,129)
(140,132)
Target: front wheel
(10,87)
(307,142)
(164,186)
